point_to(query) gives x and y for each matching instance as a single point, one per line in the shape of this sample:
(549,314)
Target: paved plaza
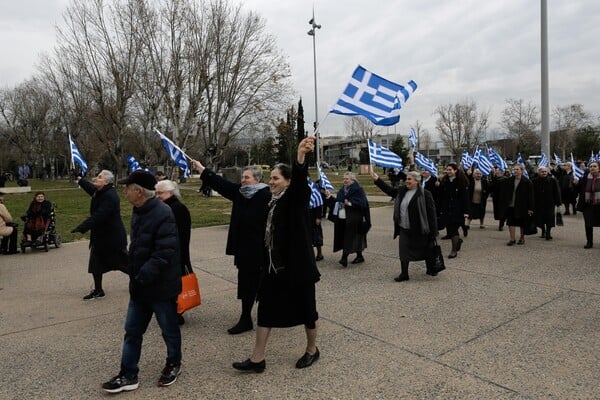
(500,322)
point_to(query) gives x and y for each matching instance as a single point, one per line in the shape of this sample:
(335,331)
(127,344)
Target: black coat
(546,194)
(347,234)
(246,236)
(523,197)
(154,265)
(184,230)
(454,202)
(107,232)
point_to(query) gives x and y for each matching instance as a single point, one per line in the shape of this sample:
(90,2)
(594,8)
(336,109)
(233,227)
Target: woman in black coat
(478,195)
(516,203)
(246,232)
(415,220)
(454,204)
(286,295)
(350,210)
(546,195)
(168,192)
(495,186)
(108,240)
(589,201)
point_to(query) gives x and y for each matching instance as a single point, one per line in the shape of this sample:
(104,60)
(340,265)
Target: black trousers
(9,243)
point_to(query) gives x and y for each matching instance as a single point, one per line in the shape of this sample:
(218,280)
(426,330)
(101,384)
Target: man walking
(154,282)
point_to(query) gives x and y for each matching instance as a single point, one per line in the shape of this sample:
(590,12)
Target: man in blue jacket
(154,282)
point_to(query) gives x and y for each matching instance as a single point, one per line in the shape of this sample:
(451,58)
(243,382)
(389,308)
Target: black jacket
(154,266)
(523,196)
(184,229)
(107,230)
(246,236)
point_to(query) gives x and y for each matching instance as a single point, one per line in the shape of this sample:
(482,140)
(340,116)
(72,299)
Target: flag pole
(71,150)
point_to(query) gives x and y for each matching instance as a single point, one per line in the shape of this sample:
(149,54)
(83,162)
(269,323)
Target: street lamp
(312,32)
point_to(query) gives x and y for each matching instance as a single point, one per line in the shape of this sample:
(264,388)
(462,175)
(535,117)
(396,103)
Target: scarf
(592,190)
(270,229)
(248,191)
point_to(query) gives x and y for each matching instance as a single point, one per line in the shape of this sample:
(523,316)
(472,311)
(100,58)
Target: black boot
(589,235)
(404,272)
(245,322)
(548,236)
(344,260)
(456,241)
(359,258)
(543,235)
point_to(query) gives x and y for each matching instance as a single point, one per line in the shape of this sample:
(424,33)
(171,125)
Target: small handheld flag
(324,182)
(522,164)
(412,138)
(466,160)
(177,155)
(497,159)
(316,200)
(76,157)
(425,163)
(384,157)
(373,97)
(544,161)
(577,172)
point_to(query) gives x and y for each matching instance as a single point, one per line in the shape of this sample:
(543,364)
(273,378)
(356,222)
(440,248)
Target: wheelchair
(42,239)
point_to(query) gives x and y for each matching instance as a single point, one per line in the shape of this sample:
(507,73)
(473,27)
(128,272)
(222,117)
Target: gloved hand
(77,230)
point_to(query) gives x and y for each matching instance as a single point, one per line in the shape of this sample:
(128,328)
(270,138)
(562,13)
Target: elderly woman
(516,202)
(286,296)
(478,195)
(108,240)
(246,232)
(415,220)
(454,204)
(38,217)
(168,192)
(350,211)
(546,194)
(589,201)
(8,230)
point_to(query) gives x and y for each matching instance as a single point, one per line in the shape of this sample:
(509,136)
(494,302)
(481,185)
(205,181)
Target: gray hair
(168,186)
(256,172)
(148,194)
(350,175)
(415,175)
(543,169)
(109,177)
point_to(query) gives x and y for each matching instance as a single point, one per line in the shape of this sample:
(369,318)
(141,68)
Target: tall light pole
(312,32)
(545,132)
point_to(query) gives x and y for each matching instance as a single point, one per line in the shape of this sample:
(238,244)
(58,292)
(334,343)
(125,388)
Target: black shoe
(120,384)
(318,258)
(344,262)
(588,245)
(358,260)
(307,359)
(169,375)
(431,272)
(465,230)
(248,365)
(241,327)
(94,294)
(548,236)
(452,254)
(180,319)
(459,244)
(401,278)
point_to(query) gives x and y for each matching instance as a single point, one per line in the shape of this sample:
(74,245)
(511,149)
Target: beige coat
(5,218)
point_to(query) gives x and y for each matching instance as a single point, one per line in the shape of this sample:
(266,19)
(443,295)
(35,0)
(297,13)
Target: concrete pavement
(501,322)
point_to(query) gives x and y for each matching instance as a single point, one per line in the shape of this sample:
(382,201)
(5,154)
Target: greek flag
(384,157)
(412,138)
(134,165)
(426,164)
(592,157)
(373,97)
(497,159)
(558,160)
(316,200)
(466,160)
(577,172)
(324,182)
(176,154)
(482,162)
(522,164)
(76,157)
(543,161)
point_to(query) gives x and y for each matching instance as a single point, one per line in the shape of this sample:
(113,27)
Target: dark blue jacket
(154,265)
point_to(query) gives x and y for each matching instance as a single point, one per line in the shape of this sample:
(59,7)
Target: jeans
(139,314)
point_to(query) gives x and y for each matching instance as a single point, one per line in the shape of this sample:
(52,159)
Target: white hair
(168,186)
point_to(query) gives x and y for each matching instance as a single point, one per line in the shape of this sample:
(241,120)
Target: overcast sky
(487,51)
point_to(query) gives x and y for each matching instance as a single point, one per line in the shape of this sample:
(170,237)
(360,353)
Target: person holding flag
(516,202)
(454,204)
(245,238)
(589,201)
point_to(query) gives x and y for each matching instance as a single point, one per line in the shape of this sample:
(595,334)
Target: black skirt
(105,261)
(411,246)
(282,304)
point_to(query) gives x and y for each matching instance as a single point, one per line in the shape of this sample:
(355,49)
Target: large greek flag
(373,97)
(481,161)
(76,157)
(497,159)
(426,164)
(176,154)
(577,172)
(466,160)
(316,200)
(384,157)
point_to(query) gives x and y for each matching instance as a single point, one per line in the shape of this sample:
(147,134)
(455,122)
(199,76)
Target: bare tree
(360,127)
(568,120)
(521,121)
(460,126)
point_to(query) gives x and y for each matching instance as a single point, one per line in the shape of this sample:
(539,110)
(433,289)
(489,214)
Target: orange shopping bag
(190,293)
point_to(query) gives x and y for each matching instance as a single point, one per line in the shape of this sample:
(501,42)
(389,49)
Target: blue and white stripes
(384,157)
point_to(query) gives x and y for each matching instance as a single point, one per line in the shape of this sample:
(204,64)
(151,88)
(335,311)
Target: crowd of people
(273,231)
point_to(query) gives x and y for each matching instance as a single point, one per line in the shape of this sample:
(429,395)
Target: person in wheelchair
(37,220)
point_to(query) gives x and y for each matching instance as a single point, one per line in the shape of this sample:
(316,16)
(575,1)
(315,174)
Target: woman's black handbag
(364,227)
(434,260)
(530,228)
